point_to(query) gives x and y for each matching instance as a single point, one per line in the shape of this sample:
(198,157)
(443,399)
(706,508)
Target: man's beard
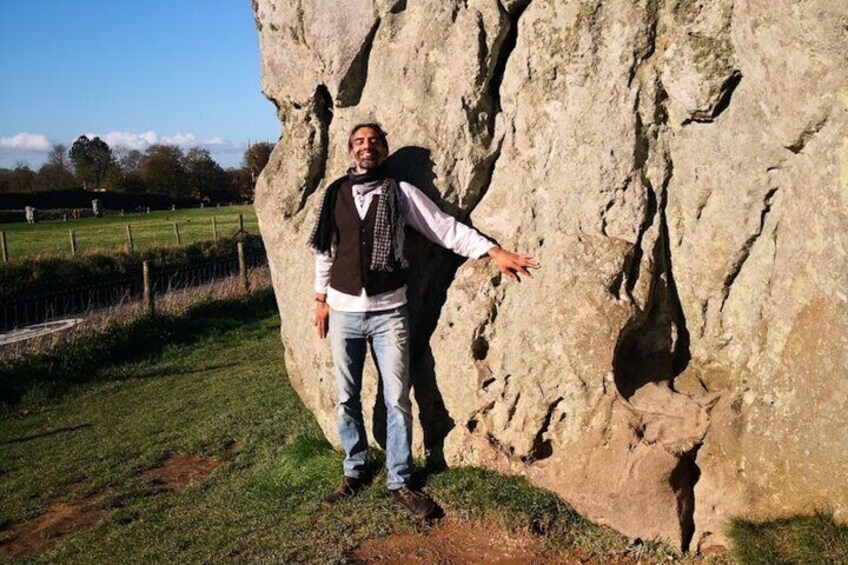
(368,163)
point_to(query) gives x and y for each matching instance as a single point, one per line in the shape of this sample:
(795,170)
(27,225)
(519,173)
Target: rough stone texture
(680,169)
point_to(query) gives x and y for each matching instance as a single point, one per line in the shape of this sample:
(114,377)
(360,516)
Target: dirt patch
(179,471)
(42,533)
(454,541)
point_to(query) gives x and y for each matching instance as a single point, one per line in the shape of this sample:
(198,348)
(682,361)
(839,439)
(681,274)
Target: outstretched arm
(444,229)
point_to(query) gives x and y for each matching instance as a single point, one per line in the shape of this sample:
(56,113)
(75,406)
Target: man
(360,294)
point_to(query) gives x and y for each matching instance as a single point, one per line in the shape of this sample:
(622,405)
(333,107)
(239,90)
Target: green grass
(109,233)
(799,540)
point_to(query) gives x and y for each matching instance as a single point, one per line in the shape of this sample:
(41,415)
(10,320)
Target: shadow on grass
(44,378)
(813,540)
(45,434)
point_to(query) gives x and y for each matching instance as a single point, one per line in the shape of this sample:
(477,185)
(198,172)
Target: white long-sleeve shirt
(424,216)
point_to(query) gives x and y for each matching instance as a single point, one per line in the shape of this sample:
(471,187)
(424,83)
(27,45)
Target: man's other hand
(513,264)
(322,318)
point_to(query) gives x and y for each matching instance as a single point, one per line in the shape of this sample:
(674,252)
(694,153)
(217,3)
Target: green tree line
(160,169)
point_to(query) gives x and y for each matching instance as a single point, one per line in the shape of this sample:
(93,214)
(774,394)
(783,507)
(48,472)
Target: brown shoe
(348,487)
(416,502)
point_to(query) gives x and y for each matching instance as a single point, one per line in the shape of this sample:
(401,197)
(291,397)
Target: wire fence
(43,305)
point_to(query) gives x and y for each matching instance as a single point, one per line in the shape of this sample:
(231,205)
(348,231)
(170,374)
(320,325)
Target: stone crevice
(683,479)
(513,407)
(543,448)
(633,262)
(490,103)
(353,82)
(322,112)
(504,54)
(807,134)
(641,56)
(728,87)
(745,251)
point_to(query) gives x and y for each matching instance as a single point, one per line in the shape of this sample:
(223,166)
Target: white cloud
(141,141)
(26,142)
(181,139)
(127,140)
(220,145)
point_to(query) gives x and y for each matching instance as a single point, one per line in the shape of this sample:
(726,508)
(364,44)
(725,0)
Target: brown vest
(350,272)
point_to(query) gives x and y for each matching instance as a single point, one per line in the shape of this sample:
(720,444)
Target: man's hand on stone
(513,264)
(322,315)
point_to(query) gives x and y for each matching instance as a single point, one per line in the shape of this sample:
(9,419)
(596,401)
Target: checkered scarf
(387,252)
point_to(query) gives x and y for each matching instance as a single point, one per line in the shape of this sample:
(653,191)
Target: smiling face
(367,149)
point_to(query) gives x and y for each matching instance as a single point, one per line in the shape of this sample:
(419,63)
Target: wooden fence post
(130,245)
(4,246)
(215,229)
(73,237)
(149,303)
(177,233)
(242,265)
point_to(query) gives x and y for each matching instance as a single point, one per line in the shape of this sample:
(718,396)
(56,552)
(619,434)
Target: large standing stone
(679,167)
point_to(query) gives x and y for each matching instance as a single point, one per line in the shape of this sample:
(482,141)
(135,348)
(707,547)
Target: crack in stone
(683,479)
(322,104)
(745,252)
(644,56)
(504,53)
(480,343)
(728,87)
(513,407)
(353,83)
(492,99)
(633,262)
(542,448)
(807,134)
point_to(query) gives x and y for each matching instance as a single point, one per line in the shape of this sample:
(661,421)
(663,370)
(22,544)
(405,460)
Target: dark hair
(373,125)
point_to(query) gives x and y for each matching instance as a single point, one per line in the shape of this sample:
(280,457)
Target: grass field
(149,230)
(211,385)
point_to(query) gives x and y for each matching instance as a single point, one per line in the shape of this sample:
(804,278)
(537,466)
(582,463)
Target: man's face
(367,150)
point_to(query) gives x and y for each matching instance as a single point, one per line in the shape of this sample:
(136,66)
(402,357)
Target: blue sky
(132,72)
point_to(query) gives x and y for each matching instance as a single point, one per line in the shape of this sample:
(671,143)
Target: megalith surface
(679,168)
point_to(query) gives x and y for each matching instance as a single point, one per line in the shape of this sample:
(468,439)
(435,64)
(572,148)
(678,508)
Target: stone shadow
(432,270)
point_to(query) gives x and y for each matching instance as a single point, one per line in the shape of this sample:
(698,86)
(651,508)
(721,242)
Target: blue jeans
(388,331)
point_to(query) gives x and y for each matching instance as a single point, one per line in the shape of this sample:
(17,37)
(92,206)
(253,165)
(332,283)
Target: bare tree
(58,157)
